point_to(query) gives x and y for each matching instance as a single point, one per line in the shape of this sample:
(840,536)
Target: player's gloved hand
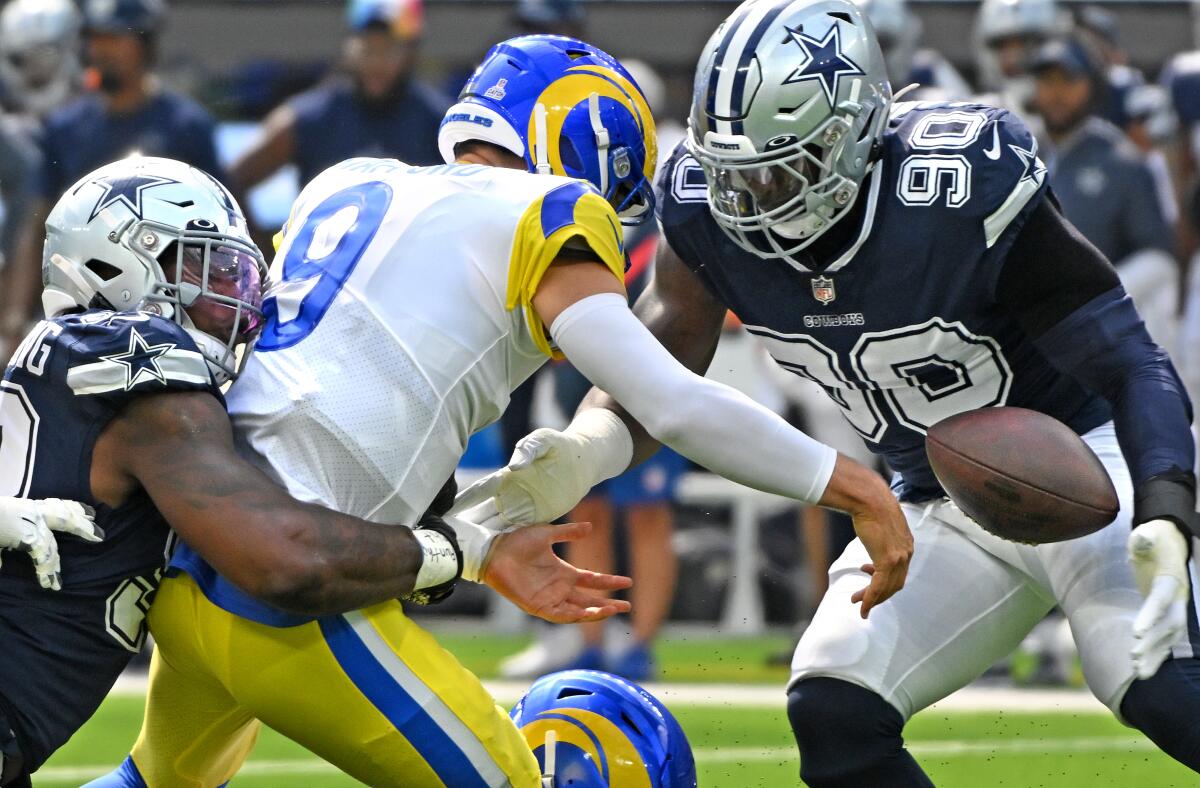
(28,526)
(524,569)
(551,471)
(1158,553)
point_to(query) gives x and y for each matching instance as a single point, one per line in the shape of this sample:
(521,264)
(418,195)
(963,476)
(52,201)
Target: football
(1021,475)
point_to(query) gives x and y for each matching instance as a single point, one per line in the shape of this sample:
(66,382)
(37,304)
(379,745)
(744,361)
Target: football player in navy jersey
(122,411)
(910,259)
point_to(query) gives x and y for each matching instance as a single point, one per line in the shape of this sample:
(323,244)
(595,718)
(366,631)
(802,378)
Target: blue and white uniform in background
(63,650)
(1108,191)
(334,124)
(901,330)
(1181,78)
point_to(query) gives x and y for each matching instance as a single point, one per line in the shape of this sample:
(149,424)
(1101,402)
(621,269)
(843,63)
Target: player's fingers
(598,613)
(858,595)
(869,600)
(71,517)
(596,601)
(1164,630)
(1147,660)
(867,569)
(601,582)
(532,447)
(569,532)
(480,490)
(46,563)
(884,583)
(1155,607)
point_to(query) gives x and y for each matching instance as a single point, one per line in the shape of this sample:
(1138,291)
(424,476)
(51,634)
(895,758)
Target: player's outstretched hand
(524,569)
(879,524)
(28,526)
(1158,553)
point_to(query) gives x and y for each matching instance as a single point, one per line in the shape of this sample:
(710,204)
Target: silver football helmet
(898,30)
(1028,23)
(160,236)
(39,53)
(791,98)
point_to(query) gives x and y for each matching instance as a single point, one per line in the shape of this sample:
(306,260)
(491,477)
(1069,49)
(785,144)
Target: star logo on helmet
(141,360)
(126,190)
(823,61)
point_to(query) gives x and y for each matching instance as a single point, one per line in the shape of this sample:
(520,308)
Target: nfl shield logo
(822,287)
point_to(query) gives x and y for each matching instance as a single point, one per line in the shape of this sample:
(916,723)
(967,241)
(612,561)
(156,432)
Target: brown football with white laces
(1021,474)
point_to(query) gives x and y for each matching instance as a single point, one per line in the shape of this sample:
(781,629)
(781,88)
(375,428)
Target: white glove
(1158,553)
(476,530)
(551,471)
(27,525)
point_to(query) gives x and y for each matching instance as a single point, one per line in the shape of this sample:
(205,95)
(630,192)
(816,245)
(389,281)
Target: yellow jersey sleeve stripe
(572,210)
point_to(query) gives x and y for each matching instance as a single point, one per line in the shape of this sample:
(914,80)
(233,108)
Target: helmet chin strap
(541,156)
(548,769)
(602,141)
(214,352)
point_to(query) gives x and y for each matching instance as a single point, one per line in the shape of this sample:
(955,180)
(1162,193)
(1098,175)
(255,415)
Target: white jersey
(399,322)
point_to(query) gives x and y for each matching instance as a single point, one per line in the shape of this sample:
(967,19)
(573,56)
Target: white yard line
(968,699)
(945,747)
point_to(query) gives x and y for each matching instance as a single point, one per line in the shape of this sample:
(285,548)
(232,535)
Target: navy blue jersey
(62,650)
(84,135)
(902,328)
(333,125)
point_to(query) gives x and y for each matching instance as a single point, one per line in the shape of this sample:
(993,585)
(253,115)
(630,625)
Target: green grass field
(735,746)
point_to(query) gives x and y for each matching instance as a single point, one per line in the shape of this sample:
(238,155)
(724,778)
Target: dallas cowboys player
(910,260)
(122,411)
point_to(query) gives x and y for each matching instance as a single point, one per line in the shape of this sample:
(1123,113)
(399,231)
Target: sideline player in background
(381,286)
(911,261)
(378,107)
(1103,183)
(130,111)
(122,411)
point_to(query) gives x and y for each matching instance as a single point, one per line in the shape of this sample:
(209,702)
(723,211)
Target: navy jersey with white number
(62,650)
(902,328)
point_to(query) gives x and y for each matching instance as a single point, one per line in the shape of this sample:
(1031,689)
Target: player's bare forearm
(685,318)
(299,557)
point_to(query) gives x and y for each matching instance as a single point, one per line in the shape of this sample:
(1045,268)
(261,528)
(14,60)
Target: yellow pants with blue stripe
(369,691)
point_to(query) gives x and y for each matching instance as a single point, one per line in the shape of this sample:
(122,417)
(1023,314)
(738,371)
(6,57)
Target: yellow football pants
(369,691)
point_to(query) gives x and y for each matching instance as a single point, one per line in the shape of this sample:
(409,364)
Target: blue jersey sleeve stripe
(351,644)
(558,207)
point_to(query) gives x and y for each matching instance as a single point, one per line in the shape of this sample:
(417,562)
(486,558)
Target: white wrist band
(474,540)
(439,564)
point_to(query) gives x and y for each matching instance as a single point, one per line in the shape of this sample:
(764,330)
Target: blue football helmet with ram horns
(568,109)
(590,729)
(791,99)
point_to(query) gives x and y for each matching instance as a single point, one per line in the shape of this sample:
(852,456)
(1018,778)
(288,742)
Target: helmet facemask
(790,102)
(209,282)
(778,203)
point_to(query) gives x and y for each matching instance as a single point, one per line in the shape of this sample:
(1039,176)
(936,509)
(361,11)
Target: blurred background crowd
(264,94)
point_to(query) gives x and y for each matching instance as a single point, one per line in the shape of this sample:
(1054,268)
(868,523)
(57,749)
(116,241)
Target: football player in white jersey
(408,303)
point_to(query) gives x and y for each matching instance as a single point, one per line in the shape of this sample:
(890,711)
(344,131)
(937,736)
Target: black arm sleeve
(1051,271)
(1068,300)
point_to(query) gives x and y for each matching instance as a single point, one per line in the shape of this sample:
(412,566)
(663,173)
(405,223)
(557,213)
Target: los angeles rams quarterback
(409,302)
(910,260)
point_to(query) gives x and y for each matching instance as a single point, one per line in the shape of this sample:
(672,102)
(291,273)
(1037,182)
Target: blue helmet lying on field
(567,108)
(590,729)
